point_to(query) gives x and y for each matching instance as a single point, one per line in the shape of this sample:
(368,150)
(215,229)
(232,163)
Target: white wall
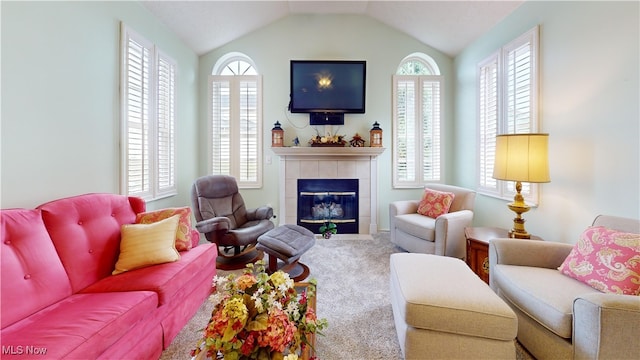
(60,99)
(309,37)
(60,76)
(589,106)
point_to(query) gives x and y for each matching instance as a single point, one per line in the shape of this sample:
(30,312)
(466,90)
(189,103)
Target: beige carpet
(353,295)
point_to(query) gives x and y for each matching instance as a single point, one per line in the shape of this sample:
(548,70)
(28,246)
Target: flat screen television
(328,88)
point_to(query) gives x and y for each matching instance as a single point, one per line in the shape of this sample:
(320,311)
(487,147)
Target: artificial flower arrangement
(259,316)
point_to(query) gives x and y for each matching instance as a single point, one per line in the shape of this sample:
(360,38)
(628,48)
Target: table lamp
(521,158)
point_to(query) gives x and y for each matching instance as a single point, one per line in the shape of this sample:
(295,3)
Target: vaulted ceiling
(448,26)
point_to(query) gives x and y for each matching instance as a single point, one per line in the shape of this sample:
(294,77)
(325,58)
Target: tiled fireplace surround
(330,163)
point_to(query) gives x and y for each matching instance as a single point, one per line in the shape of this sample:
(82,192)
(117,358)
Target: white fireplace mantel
(322,151)
(330,163)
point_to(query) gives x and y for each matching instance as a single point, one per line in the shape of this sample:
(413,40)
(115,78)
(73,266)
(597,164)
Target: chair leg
(273,264)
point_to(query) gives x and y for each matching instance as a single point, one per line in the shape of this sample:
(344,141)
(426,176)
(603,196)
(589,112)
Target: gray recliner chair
(222,217)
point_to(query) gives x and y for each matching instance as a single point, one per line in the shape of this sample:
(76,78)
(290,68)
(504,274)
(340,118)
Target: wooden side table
(478,247)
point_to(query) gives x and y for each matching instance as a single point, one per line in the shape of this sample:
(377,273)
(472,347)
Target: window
(507,104)
(235,113)
(148,107)
(417,117)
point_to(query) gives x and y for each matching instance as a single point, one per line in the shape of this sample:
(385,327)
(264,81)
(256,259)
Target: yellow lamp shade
(522,157)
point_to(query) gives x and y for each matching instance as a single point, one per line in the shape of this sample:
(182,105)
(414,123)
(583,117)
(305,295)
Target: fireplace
(323,200)
(340,163)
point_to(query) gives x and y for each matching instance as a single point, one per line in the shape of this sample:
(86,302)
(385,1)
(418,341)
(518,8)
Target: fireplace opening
(323,200)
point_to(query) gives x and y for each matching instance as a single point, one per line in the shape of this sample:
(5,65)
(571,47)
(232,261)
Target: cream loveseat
(559,317)
(443,235)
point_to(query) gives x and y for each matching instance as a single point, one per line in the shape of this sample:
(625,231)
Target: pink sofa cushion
(86,324)
(32,275)
(85,230)
(607,260)
(167,280)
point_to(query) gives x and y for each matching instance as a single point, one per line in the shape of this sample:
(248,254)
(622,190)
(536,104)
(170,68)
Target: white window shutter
(148,99)
(136,96)
(507,104)
(165,135)
(404,142)
(417,144)
(488,122)
(220,94)
(249,110)
(236,128)
(431,135)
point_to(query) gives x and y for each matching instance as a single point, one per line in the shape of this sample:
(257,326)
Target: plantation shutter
(236,128)
(137,68)
(404,134)
(166,163)
(431,113)
(249,109)
(518,70)
(417,129)
(148,86)
(221,126)
(507,104)
(519,95)
(488,122)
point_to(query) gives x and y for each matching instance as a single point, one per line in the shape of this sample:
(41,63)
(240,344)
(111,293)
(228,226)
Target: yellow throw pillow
(144,245)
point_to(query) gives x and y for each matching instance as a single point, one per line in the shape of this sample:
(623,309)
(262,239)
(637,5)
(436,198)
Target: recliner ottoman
(443,310)
(287,242)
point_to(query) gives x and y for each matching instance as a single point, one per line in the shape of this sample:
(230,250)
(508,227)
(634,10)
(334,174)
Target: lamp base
(519,207)
(519,234)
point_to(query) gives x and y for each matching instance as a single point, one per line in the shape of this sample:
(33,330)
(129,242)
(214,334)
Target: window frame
(159,177)
(235,132)
(485,183)
(420,178)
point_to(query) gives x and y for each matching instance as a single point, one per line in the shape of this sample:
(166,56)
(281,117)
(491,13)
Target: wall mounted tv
(327,89)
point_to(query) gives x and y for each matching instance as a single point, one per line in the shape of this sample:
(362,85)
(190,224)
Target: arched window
(234,63)
(418,64)
(235,113)
(417,122)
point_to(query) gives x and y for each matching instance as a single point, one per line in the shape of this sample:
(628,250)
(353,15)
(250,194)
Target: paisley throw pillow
(183,235)
(608,260)
(435,203)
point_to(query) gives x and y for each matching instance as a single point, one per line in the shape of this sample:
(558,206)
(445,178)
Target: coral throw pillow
(144,245)
(608,260)
(435,203)
(183,235)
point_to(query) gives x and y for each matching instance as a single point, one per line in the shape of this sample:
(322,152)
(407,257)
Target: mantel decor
(375,135)
(260,316)
(277,135)
(334,140)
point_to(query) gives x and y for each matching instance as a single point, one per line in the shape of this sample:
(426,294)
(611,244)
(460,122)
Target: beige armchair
(559,317)
(443,235)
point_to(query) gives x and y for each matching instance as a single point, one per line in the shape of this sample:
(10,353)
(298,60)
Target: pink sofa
(60,300)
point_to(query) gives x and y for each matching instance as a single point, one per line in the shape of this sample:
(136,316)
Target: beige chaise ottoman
(442,310)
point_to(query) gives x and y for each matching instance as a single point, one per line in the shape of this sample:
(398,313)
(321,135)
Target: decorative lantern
(376,135)
(277,135)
